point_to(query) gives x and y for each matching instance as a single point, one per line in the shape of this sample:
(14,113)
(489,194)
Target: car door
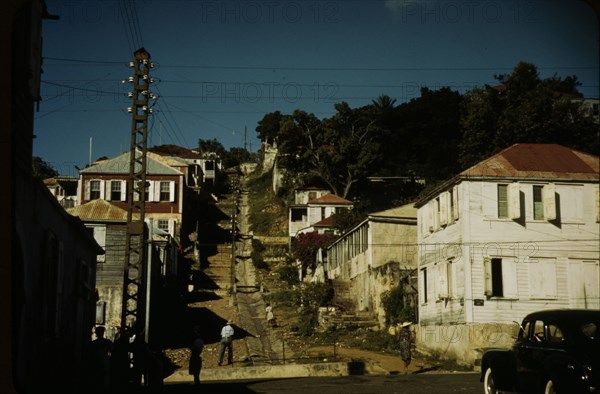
(529,354)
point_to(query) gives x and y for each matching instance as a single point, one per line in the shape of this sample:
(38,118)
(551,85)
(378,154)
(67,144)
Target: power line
(298,68)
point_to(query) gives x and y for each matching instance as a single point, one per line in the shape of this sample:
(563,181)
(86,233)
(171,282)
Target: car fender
(566,372)
(502,362)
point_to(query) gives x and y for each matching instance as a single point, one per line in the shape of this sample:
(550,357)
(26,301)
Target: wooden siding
(522,243)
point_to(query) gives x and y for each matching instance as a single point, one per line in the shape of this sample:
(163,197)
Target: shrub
(395,308)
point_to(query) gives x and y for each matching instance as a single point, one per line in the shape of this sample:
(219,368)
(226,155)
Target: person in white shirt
(226,343)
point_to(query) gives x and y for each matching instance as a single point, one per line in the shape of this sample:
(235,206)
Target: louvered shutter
(487,277)
(514,201)
(444,202)
(549,199)
(123,190)
(103,189)
(171,191)
(86,191)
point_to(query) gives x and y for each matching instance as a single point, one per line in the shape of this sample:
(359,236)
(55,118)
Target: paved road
(464,383)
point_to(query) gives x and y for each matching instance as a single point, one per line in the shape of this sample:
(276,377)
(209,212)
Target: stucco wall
(464,343)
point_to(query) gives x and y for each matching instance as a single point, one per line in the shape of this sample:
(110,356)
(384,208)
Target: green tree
(524,109)
(268,127)
(211,146)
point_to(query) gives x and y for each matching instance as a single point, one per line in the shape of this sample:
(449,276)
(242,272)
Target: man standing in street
(226,343)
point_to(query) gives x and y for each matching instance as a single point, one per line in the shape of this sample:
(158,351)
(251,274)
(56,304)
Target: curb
(280,371)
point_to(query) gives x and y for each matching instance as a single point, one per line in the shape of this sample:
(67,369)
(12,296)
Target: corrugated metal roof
(530,162)
(539,161)
(99,210)
(120,165)
(330,199)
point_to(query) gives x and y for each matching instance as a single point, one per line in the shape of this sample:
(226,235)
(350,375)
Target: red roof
(550,161)
(330,199)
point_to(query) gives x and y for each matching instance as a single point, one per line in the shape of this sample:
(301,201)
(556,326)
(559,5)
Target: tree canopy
(524,108)
(431,137)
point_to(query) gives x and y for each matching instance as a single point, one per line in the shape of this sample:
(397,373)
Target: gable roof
(99,210)
(529,162)
(120,165)
(329,199)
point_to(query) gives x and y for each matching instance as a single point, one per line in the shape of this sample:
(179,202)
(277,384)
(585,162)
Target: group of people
(110,366)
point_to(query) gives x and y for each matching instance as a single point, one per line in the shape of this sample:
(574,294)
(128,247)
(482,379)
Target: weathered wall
(464,343)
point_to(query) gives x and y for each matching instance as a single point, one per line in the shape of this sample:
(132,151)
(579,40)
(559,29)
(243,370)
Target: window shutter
(87,190)
(171,191)
(454,197)
(103,185)
(430,207)
(549,198)
(444,208)
(442,274)
(123,190)
(108,190)
(172,223)
(487,276)
(156,191)
(514,201)
(509,278)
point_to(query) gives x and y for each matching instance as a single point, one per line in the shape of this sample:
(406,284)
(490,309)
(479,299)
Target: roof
(538,161)
(330,199)
(529,162)
(407,211)
(327,222)
(120,165)
(99,210)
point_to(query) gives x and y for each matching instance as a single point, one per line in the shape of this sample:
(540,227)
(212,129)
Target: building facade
(516,233)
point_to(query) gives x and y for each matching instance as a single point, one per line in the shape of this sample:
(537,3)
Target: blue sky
(222,65)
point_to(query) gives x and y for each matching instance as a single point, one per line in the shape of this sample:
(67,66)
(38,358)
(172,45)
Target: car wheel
(489,386)
(549,388)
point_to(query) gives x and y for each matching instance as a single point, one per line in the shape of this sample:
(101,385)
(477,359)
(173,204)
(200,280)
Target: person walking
(406,340)
(195,364)
(270,316)
(226,343)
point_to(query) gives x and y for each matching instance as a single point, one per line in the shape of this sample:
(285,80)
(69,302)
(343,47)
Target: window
(538,331)
(555,334)
(163,224)
(538,203)
(94,190)
(509,201)
(165,191)
(115,190)
(502,201)
(312,195)
(500,277)
(323,213)
(298,214)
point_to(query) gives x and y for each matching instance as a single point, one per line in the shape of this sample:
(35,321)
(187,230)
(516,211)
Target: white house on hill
(515,233)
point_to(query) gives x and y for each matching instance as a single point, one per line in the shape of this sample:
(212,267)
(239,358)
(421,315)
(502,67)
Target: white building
(516,233)
(375,256)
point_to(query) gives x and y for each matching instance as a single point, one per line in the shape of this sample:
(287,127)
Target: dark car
(556,351)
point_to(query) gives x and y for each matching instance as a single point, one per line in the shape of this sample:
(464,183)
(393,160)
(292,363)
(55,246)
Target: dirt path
(391,363)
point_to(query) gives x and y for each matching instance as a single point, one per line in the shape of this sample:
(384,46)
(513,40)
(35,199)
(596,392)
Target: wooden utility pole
(132,314)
